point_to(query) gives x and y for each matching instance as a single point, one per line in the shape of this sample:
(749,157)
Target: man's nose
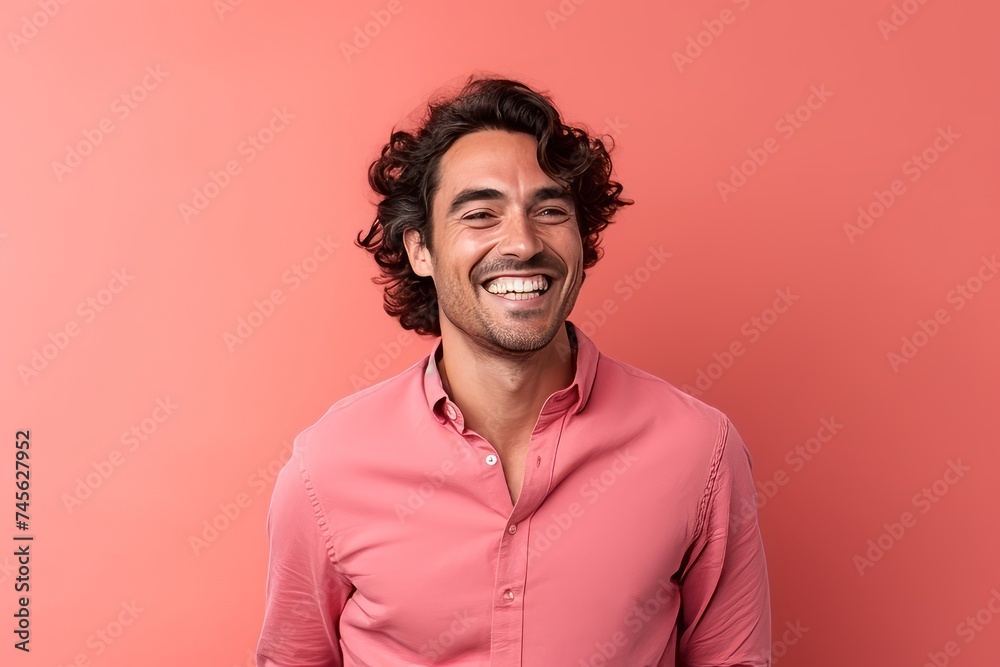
(520,237)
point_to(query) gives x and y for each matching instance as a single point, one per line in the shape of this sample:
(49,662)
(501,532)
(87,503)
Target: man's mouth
(518,288)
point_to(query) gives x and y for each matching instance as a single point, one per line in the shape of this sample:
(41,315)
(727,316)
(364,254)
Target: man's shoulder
(367,409)
(623,381)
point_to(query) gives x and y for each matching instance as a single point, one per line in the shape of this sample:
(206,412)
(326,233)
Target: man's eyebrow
(551,192)
(474,194)
(491,194)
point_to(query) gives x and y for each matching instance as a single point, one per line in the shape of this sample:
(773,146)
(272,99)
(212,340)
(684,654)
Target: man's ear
(416,251)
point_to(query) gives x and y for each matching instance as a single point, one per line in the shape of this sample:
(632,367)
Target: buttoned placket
(513,553)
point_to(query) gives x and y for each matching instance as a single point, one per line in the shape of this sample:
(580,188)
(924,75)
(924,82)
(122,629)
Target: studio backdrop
(813,250)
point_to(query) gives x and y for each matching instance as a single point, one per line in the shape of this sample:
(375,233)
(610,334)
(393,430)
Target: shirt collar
(583,380)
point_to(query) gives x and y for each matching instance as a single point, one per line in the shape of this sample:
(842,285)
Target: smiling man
(516,497)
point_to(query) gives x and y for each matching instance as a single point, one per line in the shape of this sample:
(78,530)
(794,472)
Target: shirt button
(508,594)
(450,411)
(491,460)
(512,529)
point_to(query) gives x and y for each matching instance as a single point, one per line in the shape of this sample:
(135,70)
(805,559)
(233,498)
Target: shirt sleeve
(725,597)
(305,595)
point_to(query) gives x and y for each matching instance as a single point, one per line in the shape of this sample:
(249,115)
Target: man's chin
(524,337)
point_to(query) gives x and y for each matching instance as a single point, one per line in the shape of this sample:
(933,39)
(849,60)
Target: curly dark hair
(406,177)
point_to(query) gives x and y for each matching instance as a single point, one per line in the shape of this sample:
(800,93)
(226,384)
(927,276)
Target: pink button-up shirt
(634,540)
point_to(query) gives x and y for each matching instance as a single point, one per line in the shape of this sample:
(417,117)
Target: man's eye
(553,213)
(477,216)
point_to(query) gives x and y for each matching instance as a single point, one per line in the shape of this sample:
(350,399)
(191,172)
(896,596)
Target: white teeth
(518,285)
(519,296)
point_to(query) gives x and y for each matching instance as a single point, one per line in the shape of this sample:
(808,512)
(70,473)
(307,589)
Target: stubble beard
(474,317)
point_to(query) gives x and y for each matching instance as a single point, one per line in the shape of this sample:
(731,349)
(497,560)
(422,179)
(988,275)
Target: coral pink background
(691,93)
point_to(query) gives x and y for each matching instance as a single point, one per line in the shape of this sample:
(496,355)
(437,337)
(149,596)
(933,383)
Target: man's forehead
(491,160)
(488,151)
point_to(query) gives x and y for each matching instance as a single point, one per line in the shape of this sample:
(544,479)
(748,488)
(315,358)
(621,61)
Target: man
(516,497)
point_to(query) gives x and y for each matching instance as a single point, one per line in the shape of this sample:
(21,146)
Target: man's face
(495,215)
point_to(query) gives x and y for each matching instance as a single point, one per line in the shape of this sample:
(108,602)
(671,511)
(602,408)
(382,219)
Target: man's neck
(501,396)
